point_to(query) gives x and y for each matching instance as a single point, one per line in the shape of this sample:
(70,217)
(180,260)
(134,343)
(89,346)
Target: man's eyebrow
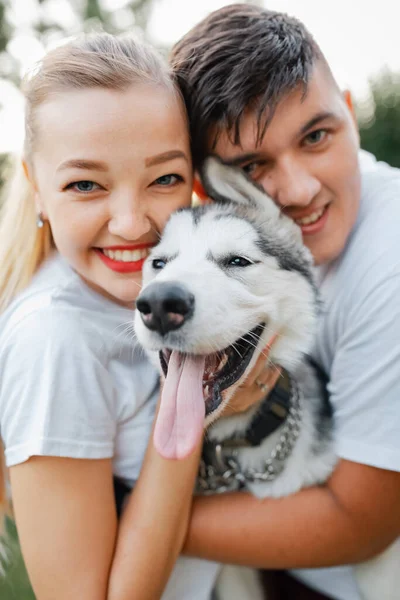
(82,163)
(165,157)
(242,158)
(322,116)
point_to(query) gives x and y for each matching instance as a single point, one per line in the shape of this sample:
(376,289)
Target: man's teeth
(311,218)
(127,255)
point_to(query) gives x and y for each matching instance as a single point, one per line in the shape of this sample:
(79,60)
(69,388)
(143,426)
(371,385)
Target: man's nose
(292,184)
(129,218)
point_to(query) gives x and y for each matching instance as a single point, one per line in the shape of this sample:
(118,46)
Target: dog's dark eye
(238,261)
(158,263)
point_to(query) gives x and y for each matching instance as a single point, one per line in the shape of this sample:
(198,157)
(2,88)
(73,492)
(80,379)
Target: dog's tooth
(223,361)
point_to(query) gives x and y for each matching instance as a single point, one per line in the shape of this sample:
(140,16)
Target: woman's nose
(128,218)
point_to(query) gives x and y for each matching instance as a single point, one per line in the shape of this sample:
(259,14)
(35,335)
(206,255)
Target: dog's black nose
(165,306)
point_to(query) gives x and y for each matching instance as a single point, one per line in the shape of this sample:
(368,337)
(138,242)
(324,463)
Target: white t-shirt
(74,383)
(358,343)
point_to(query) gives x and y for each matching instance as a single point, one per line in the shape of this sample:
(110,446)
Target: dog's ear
(228,184)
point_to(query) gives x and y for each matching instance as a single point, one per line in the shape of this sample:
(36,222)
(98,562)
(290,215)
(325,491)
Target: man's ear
(349,102)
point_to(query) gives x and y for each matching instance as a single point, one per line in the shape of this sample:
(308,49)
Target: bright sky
(358,37)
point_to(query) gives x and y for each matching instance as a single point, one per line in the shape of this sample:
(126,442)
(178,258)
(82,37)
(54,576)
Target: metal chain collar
(220,470)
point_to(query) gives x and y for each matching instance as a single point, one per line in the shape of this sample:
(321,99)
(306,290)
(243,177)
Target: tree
(380,130)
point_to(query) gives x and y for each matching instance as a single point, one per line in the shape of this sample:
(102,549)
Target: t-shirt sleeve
(365,377)
(56,395)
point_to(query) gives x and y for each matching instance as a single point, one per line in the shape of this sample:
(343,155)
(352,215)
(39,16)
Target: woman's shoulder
(58,304)
(40,296)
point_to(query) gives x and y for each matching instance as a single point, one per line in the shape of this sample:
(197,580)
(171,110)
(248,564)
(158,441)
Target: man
(260,94)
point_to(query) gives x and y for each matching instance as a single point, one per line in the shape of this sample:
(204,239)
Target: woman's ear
(200,191)
(29,176)
(26,170)
(28,173)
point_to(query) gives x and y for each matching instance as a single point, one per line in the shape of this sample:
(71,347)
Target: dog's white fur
(227,306)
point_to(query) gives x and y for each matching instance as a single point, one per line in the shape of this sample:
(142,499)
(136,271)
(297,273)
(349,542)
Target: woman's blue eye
(84,186)
(158,263)
(168,179)
(238,261)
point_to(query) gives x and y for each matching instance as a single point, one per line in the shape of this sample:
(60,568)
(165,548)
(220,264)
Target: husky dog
(225,281)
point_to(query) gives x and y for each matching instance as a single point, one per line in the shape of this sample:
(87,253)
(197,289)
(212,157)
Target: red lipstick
(120,266)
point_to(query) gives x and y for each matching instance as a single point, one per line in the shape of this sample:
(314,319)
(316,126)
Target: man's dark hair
(239,57)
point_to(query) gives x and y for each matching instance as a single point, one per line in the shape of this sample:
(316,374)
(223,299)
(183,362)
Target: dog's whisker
(139,285)
(236,350)
(158,234)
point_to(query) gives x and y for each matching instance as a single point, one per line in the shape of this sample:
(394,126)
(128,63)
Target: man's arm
(354,516)
(356,513)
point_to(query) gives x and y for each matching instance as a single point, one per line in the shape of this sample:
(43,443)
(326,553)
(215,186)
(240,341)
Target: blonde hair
(96,60)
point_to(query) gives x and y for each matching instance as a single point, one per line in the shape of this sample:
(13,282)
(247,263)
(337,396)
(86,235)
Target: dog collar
(271,414)
(220,470)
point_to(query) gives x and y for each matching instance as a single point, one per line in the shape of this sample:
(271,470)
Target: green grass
(15,585)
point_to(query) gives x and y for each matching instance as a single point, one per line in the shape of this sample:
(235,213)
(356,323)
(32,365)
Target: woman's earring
(39,220)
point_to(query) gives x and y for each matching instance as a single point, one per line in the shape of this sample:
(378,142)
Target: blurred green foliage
(380,132)
(15,586)
(3,163)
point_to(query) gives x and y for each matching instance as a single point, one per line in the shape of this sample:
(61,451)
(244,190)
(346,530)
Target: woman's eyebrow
(165,157)
(82,163)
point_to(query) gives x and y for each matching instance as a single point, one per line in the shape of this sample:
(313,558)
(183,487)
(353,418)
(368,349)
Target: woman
(107,158)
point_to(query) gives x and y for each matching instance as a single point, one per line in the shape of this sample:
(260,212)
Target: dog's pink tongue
(180,420)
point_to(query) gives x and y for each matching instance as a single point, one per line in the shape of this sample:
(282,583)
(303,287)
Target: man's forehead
(294,114)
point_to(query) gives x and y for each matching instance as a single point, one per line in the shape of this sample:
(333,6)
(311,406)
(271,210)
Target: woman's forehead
(138,116)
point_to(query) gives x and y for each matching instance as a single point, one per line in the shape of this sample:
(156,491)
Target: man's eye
(84,186)
(238,261)
(315,137)
(158,263)
(250,168)
(169,179)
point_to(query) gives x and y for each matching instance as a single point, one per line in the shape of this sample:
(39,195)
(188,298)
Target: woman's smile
(124,259)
